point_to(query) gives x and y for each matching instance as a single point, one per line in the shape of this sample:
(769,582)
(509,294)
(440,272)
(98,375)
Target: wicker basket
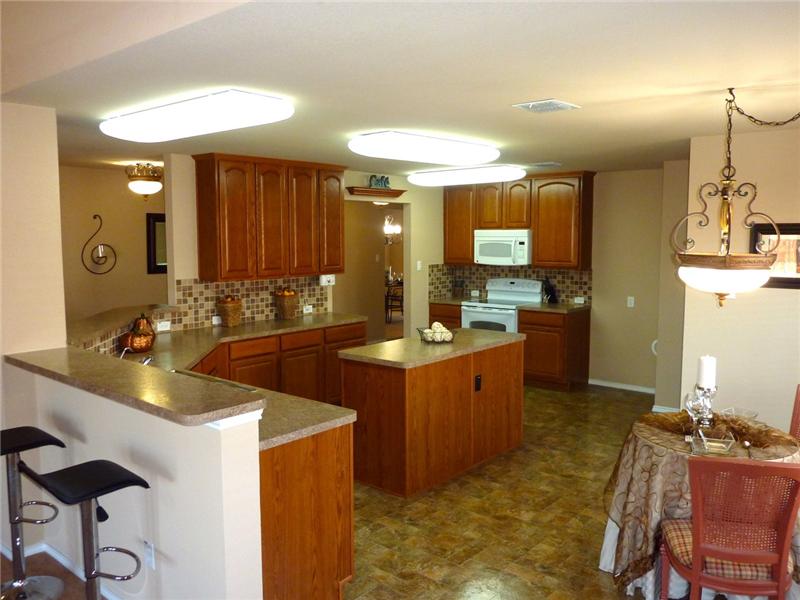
(231,313)
(287,307)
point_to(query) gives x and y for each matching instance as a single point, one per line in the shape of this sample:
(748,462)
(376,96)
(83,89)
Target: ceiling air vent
(546,165)
(544,106)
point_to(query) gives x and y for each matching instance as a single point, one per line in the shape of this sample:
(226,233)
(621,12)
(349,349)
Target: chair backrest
(743,511)
(794,426)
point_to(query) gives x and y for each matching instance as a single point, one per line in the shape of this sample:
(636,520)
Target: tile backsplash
(197,299)
(568,283)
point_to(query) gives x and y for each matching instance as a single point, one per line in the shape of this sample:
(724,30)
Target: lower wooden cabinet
(556,348)
(302,372)
(448,315)
(307,540)
(215,363)
(259,371)
(339,338)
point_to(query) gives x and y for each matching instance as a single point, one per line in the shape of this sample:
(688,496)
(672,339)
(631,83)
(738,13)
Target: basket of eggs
(229,309)
(287,303)
(436,334)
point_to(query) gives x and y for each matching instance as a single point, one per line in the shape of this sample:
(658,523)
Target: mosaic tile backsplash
(197,299)
(568,284)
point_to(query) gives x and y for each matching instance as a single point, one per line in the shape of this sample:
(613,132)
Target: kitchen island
(251,489)
(428,412)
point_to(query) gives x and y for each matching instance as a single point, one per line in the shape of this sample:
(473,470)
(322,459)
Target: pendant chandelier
(725,272)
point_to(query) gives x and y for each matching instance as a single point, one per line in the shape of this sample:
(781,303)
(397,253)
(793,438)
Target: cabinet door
(517,204)
(303,221)
(448,315)
(333,373)
(544,352)
(556,222)
(497,406)
(215,363)
(302,372)
(272,220)
(489,206)
(331,221)
(237,220)
(260,371)
(459,224)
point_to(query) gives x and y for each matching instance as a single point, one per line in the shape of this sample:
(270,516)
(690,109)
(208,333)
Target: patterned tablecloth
(651,482)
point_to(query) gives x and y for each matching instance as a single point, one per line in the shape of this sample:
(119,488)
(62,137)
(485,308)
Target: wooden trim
(379,192)
(262,159)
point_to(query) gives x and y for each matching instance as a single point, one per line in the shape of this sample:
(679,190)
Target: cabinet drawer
(345,332)
(303,339)
(246,348)
(529,317)
(453,311)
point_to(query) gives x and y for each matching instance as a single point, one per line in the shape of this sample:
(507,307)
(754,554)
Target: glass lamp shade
(723,281)
(145,187)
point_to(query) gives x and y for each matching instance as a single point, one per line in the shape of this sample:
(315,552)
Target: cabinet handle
(477,383)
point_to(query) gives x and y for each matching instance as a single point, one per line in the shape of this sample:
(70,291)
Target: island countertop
(407,353)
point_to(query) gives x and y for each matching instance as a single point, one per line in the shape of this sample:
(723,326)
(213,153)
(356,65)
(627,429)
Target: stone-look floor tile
(527,525)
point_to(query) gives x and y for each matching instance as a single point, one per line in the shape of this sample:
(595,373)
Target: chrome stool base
(39,587)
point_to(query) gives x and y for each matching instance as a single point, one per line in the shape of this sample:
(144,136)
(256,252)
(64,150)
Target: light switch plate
(419,265)
(475,293)
(579,300)
(631,302)
(327,279)
(216,320)
(308,309)
(150,555)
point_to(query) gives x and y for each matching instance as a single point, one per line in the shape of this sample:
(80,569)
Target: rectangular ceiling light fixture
(413,147)
(545,106)
(218,111)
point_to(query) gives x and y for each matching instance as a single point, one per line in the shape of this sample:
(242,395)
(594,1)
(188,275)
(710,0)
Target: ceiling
(649,75)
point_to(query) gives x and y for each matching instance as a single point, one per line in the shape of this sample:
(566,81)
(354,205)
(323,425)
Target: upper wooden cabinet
(562,221)
(503,205)
(459,224)
(259,218)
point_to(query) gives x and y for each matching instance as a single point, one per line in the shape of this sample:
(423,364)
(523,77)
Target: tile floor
(525,526)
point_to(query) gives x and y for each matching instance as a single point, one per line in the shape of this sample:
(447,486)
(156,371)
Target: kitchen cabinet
(503,205)
(556,347)
(302,364)
(448,315)
(255,362)
(339,338)
(259,218)
(215,363)
(459,224)
(562,221)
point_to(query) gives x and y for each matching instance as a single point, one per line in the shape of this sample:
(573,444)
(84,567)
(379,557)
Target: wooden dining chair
(794,426)
(393,301)
(739,537)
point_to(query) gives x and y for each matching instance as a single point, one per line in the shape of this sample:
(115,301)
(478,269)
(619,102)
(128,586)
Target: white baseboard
(623,386)
(665,409)
(65,562)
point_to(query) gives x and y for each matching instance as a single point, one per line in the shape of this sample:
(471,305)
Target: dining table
(650,482)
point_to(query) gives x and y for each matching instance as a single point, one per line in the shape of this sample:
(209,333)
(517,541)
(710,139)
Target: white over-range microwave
(503,247)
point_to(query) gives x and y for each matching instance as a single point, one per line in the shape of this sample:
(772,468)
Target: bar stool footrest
(44,521)
(119,577)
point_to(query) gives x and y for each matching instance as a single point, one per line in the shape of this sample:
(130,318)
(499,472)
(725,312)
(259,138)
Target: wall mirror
(156,243)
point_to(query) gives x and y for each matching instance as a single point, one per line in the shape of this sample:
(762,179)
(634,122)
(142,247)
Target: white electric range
(499,311)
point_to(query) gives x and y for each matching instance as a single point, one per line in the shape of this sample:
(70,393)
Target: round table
(651,482)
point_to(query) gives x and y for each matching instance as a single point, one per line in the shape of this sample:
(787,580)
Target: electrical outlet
(475,293)
(579,300)
(631,302)
(216,320)
(164,325)
(327,279)
(308,309)
(150,555)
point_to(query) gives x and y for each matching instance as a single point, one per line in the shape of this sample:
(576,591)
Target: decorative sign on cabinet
(259,218)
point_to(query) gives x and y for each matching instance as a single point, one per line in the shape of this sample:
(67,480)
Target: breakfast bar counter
(428,412)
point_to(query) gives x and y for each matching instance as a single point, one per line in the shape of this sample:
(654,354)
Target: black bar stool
(83,484)
(12,442)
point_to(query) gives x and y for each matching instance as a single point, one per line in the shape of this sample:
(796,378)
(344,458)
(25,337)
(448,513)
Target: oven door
(484,317)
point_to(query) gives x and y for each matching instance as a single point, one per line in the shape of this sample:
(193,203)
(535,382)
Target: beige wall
(181,208)
(756,336)
(671,290)
(625,258)
(85,192)
(359,290)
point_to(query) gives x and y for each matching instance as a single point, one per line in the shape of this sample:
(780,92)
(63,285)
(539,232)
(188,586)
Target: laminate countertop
(560,307)
(408,353)
(190,399)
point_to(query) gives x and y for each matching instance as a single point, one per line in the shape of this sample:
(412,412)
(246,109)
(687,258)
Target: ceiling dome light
(725,281)
(465,176)
(413,147)
(219,111)
(144,179)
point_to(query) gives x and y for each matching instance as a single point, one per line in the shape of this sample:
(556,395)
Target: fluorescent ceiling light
(219,111)
(412,147)
(483,174)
